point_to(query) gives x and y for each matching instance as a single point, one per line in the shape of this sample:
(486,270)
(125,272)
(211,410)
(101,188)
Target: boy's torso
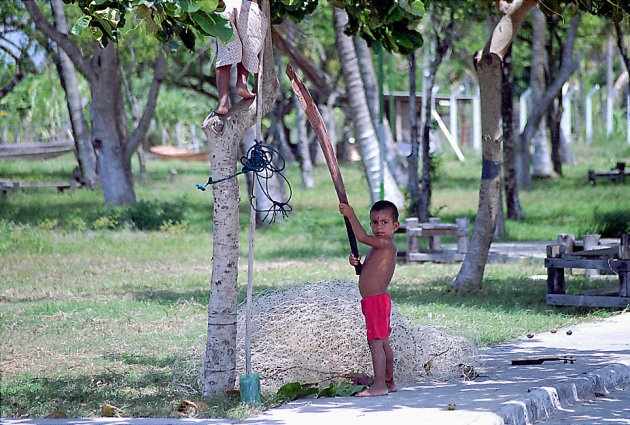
(377,270)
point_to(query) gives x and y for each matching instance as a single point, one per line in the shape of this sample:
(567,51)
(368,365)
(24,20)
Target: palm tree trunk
(363,127)
(304,153)
(370,83)
(82,140)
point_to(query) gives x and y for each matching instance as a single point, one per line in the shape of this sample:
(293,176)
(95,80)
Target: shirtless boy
(376,273)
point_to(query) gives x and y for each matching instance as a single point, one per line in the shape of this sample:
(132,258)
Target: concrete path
(503,394)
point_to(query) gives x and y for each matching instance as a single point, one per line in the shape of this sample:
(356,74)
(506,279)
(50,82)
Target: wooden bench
(616,174)
(15,185)
(615,258)
(434,229)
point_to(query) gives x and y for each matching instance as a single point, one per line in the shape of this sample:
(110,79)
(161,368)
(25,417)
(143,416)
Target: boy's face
(382,223)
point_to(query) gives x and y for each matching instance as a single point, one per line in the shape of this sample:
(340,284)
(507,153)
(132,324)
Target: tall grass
(98,314)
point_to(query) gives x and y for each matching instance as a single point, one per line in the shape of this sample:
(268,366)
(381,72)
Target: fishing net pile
(316,333)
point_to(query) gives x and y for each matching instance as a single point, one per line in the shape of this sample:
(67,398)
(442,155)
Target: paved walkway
(503,394)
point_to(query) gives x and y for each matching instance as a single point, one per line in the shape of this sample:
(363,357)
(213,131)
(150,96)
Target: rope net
(316,333)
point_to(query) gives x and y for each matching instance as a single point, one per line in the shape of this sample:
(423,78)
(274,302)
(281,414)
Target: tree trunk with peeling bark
(224,133)
(488,65)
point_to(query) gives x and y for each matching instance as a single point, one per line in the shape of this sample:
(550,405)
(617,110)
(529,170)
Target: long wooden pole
(315,118)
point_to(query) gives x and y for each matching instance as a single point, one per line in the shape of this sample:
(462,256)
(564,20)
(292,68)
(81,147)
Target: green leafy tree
(187,20)
(18,46)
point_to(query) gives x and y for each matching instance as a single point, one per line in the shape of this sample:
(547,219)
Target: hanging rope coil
(264,161)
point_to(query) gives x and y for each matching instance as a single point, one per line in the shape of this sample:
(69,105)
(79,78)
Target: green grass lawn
(95,312)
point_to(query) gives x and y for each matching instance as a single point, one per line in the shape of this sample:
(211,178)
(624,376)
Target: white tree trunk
(363,128)
(370,83)
(224,133)
(541,158)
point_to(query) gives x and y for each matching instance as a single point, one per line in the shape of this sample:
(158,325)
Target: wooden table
(614,258)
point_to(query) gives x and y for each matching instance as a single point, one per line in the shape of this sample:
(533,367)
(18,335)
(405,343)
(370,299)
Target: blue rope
(260,160)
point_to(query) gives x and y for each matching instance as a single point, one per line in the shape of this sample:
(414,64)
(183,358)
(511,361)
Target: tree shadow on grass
(170,297)
(200,297)
(144,394)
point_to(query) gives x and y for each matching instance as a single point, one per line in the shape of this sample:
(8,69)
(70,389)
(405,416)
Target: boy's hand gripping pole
(315,118)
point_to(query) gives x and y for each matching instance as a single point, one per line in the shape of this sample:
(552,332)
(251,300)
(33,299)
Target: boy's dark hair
(385,206)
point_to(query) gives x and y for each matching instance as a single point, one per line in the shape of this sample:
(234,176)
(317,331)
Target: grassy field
(94,311)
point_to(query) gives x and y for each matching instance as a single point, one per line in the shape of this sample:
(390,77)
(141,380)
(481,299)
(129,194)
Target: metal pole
(381,126)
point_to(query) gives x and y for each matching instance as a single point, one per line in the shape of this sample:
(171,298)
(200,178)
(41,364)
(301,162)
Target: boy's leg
(379,363)
(241,83)
(223,87)
(389,366)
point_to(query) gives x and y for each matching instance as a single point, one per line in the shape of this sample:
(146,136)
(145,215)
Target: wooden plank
(601,252)
(28,184)
(438,226)
(436,232)
(583,263)
(493,257)
(588,301)
(435,256)
(608,290)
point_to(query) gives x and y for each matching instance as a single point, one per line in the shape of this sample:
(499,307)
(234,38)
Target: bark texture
(512,200)
(370,83)
(224,133)
(488,65)
(82,140)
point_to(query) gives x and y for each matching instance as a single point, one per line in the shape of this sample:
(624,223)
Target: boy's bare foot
(372,392)
(391,385)
(221,110)
(244,92)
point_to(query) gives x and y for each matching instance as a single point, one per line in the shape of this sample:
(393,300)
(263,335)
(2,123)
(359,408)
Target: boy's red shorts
(376,310)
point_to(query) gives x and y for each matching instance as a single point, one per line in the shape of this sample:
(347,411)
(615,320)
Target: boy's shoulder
(389,244)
